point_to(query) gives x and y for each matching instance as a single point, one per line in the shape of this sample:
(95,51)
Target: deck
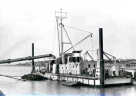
(78,76)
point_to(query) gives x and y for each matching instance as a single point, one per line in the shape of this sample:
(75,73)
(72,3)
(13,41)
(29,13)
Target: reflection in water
(32,87)
(102,91)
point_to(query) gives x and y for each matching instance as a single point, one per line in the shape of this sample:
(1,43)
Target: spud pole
(33,66)
(101,57)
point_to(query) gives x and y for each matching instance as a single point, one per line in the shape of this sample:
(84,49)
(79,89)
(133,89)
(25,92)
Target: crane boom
(78,42)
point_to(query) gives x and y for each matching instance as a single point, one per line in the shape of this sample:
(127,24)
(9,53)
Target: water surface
(15,87)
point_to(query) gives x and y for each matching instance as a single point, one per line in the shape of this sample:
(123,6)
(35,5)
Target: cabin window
(76,59)
(66,67)
(94,65)
(52,62)
(70,59)
(73,66)
(88,65)
(113,72)
(62,67)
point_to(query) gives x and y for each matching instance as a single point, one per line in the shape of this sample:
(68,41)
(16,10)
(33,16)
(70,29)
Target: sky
(23,22)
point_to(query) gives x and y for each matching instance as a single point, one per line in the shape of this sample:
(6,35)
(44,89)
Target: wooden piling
(101,57)
(33,66)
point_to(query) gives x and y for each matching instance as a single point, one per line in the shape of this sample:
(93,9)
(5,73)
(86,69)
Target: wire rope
(54,39)
(68,38)
(78,29)
(78,42)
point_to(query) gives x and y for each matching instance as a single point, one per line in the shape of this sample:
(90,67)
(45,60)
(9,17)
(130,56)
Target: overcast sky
(23,22)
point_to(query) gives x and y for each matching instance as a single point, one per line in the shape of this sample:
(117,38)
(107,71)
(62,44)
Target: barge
(72,67)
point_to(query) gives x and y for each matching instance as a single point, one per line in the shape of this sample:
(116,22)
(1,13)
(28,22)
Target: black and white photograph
(67,48)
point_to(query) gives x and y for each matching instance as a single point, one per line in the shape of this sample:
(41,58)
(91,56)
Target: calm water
(29,88)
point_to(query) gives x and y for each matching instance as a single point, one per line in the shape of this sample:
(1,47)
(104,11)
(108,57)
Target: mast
(62,55)
(61,17)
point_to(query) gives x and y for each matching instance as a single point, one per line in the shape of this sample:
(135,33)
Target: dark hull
(33,77)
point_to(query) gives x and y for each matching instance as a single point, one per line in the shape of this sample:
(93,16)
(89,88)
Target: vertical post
(62,54)
(33,66)
(39,65)
(61,17)
(101,57)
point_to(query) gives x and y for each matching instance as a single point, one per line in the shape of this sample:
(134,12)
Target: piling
(101,57)
(33,66)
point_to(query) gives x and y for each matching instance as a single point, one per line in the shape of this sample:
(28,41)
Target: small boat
(33,77)
(71,83)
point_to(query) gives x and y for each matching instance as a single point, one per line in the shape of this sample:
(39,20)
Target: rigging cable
(77,29)
(54,39)
(79,42)
(68,37)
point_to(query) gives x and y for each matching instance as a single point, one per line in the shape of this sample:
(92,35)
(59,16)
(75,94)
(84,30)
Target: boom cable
(79,42)
(68,38)
(54,39)
(78,29)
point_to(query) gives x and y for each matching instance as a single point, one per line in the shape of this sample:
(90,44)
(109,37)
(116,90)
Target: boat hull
(71,83)
(34,77)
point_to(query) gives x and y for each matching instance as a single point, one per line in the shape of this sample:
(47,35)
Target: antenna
(60,15)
